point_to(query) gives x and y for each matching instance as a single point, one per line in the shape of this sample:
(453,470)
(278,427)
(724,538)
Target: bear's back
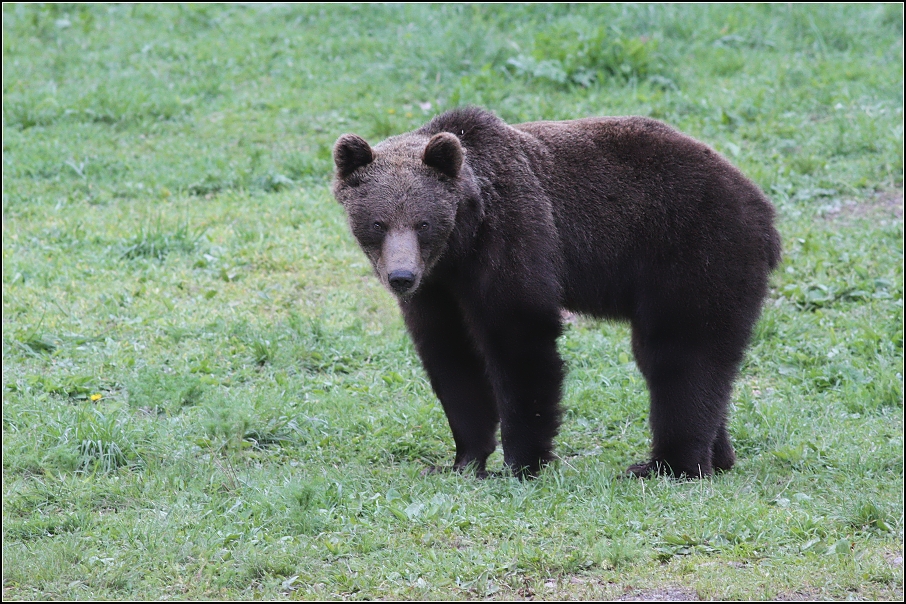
(638,204)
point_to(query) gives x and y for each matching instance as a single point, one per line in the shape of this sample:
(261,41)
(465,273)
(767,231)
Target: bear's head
(402,199)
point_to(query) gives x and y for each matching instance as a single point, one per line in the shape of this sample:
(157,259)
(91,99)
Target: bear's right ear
(350,153)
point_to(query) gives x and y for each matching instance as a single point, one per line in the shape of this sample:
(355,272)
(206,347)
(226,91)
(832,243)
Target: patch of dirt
(663,594)
(882,205)
(799,596)
(894,558)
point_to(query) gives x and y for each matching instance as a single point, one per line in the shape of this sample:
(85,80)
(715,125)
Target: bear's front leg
(457,375)
(526,374)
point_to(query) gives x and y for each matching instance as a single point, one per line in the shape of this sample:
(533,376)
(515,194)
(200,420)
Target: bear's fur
(484,231)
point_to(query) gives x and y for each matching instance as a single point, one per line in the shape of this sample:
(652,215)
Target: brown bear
(484,231)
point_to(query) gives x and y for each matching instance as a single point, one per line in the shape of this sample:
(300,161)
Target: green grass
(207,395)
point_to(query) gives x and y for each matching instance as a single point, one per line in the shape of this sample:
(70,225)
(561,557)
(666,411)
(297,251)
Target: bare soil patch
(881,205)
(661,594)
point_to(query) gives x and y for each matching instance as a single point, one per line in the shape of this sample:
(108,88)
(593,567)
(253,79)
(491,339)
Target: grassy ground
(206,394)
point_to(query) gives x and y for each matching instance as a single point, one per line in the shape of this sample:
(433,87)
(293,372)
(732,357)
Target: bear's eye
(378,226)
(424,226)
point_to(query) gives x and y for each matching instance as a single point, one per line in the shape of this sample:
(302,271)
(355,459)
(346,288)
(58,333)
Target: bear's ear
(444,153)
(350,153)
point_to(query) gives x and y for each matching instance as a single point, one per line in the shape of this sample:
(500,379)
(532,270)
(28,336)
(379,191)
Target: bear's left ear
(350,153)
(444,153)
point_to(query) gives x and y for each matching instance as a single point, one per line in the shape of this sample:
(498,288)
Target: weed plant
(206,395)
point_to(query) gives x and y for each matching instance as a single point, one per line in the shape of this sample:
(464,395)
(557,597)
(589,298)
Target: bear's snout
(401,281)
(401,265)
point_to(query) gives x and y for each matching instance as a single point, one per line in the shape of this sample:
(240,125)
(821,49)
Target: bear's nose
(401,280)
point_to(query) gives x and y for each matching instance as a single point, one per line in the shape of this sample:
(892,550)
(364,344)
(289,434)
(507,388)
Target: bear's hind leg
(457,375)
(689,392)
(723,457)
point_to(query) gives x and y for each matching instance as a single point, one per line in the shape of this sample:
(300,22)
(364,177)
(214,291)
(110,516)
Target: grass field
(207,395)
